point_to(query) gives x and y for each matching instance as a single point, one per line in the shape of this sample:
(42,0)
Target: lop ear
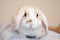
(44,21)
(16,20)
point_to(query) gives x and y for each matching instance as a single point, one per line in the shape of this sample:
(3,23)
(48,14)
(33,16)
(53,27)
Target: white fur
(36,23)
(37,27)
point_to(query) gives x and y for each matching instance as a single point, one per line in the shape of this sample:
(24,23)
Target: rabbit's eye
(37,15)
(25,14)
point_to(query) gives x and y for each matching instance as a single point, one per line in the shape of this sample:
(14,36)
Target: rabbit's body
(11,35)
(29,22)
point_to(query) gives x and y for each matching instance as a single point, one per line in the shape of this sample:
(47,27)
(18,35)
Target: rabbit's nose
(29,21)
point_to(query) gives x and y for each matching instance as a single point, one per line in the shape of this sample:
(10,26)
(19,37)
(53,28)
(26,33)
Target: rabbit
(29,23)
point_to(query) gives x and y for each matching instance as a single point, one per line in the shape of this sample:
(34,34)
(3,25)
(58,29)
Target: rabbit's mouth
(30,26)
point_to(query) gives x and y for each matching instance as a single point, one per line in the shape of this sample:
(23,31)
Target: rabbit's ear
(44,21)
(16,20)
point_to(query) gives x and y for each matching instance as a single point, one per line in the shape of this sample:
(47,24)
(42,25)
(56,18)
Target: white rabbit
(28,23)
